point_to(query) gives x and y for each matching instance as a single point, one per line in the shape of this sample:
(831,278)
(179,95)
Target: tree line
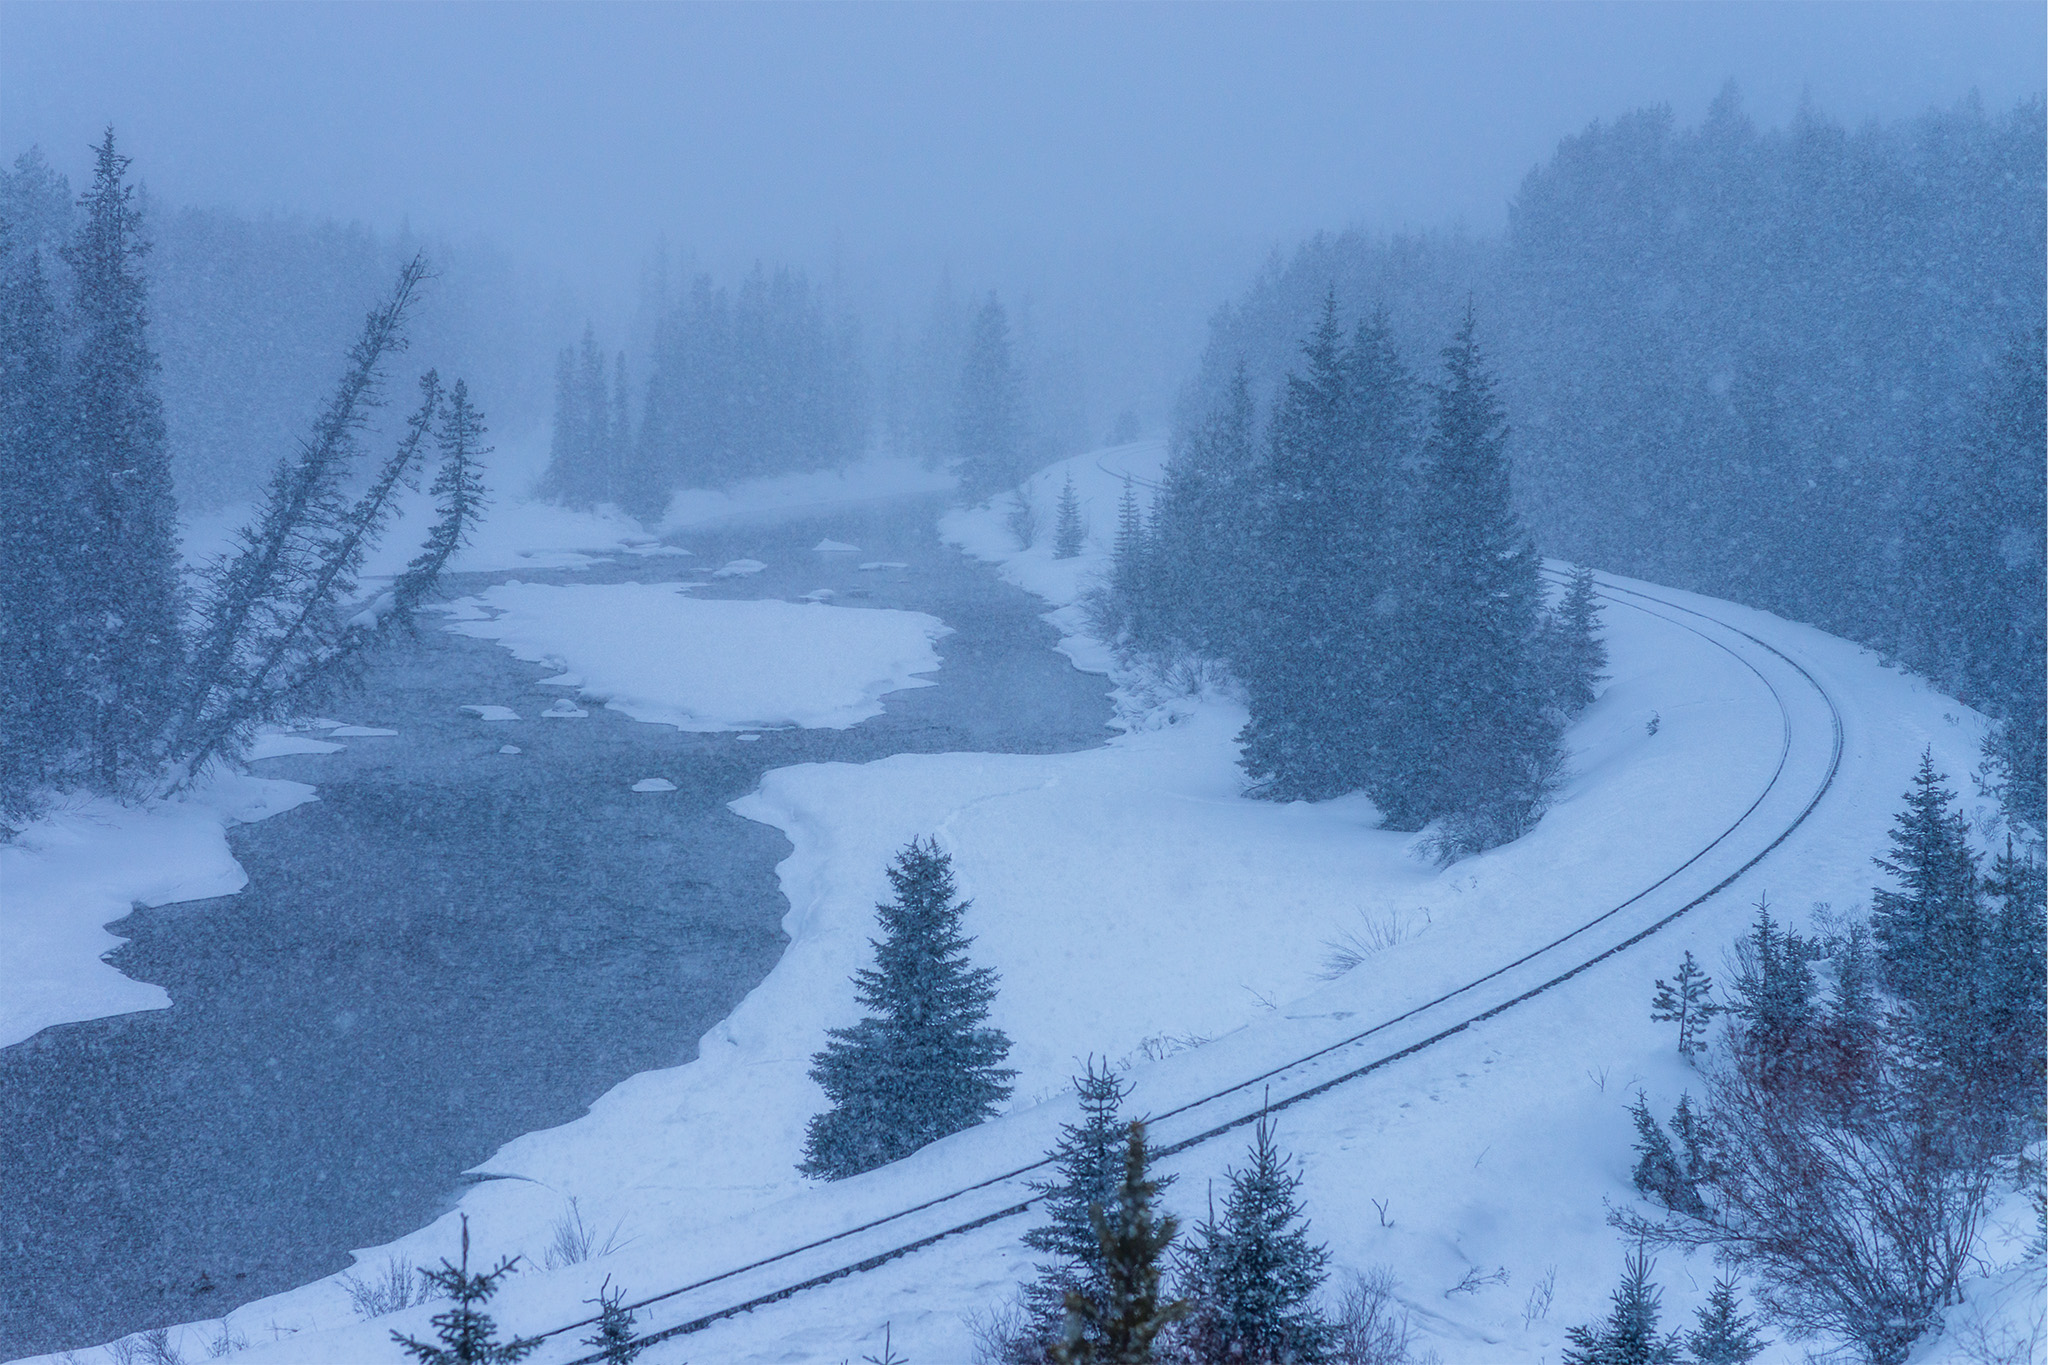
(1799,368)
(765,382)
(1361,568)
(113,677)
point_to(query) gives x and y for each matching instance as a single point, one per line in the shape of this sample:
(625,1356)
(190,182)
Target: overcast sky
(1006,139)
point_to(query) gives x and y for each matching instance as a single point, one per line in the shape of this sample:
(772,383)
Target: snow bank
(655,654)
(69,873)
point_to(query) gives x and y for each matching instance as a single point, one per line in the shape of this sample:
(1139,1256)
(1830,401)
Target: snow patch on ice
(360,731)
(654,784)
(739,568)
(490,711)
(874,564)
(835,547)
(510,749)
(649,651)
(271,742)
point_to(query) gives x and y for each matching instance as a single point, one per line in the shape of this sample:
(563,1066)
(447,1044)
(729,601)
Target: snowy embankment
(66,875)
(1138,907)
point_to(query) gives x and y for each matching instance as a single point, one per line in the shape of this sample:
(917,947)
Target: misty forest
(1196,685)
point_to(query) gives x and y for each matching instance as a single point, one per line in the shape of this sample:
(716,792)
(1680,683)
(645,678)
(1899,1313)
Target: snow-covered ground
(1138,907)
(68,874)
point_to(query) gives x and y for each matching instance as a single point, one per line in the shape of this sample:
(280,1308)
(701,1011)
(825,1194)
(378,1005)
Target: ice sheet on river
(657,655)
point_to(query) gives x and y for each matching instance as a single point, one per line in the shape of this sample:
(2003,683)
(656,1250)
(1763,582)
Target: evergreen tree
(1252,1277)
(125,605)
(1774,988)
(1578,654)
(459,497)
(2016,1022)
(1688,1004)
(1087,1162)
(614,1338)
(1658,1172)
(467,1336)
(986,435)
(1069,532)
(1475,732)
(1725,1335)
(1203,529)
(1629,1336)
(924,1063)
(1928,931)
(1308,600)
(1134,1240)
(42,538)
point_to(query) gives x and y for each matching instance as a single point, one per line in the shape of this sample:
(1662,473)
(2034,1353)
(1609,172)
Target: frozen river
(454,946)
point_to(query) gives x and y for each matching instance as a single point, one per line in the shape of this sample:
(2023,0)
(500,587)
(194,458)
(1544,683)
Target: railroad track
(1800,779)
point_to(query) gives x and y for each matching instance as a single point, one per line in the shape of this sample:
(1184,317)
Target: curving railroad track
(1809,756)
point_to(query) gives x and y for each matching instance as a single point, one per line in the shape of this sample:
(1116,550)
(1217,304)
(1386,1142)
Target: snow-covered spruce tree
(1201,528)
(124,602)
(1087,1163)
(1688,1003)
(924,1063)
(1069,533)
(1121,1327)
(1629,1336)
(43,540)
(1722,1333)
(1251,1276)
(1774,990)
(1577,654)
(985,428)
(465,1333)
(1317,630)
(1471,734)
(1659,1171)
(2016,978)
(1927,930)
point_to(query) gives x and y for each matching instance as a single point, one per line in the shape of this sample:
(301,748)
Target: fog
(1121,168)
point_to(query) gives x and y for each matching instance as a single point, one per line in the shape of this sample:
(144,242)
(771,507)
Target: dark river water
(452,946)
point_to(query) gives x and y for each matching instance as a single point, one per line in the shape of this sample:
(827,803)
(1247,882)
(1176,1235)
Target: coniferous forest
(1801,368)
(108,682)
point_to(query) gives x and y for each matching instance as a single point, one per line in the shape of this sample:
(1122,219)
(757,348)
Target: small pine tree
(1253,1276)
(1926,931)
(1088,1163)
(924,1063)
(1069,534)
(1774,987)
(1696,1145)
(1657,1171)
(2016,992)
(1629,1336)
(1687,1004)
(467,1334)
(614,1338)
(1580,653)
(1725,1335)
(1134,1241)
